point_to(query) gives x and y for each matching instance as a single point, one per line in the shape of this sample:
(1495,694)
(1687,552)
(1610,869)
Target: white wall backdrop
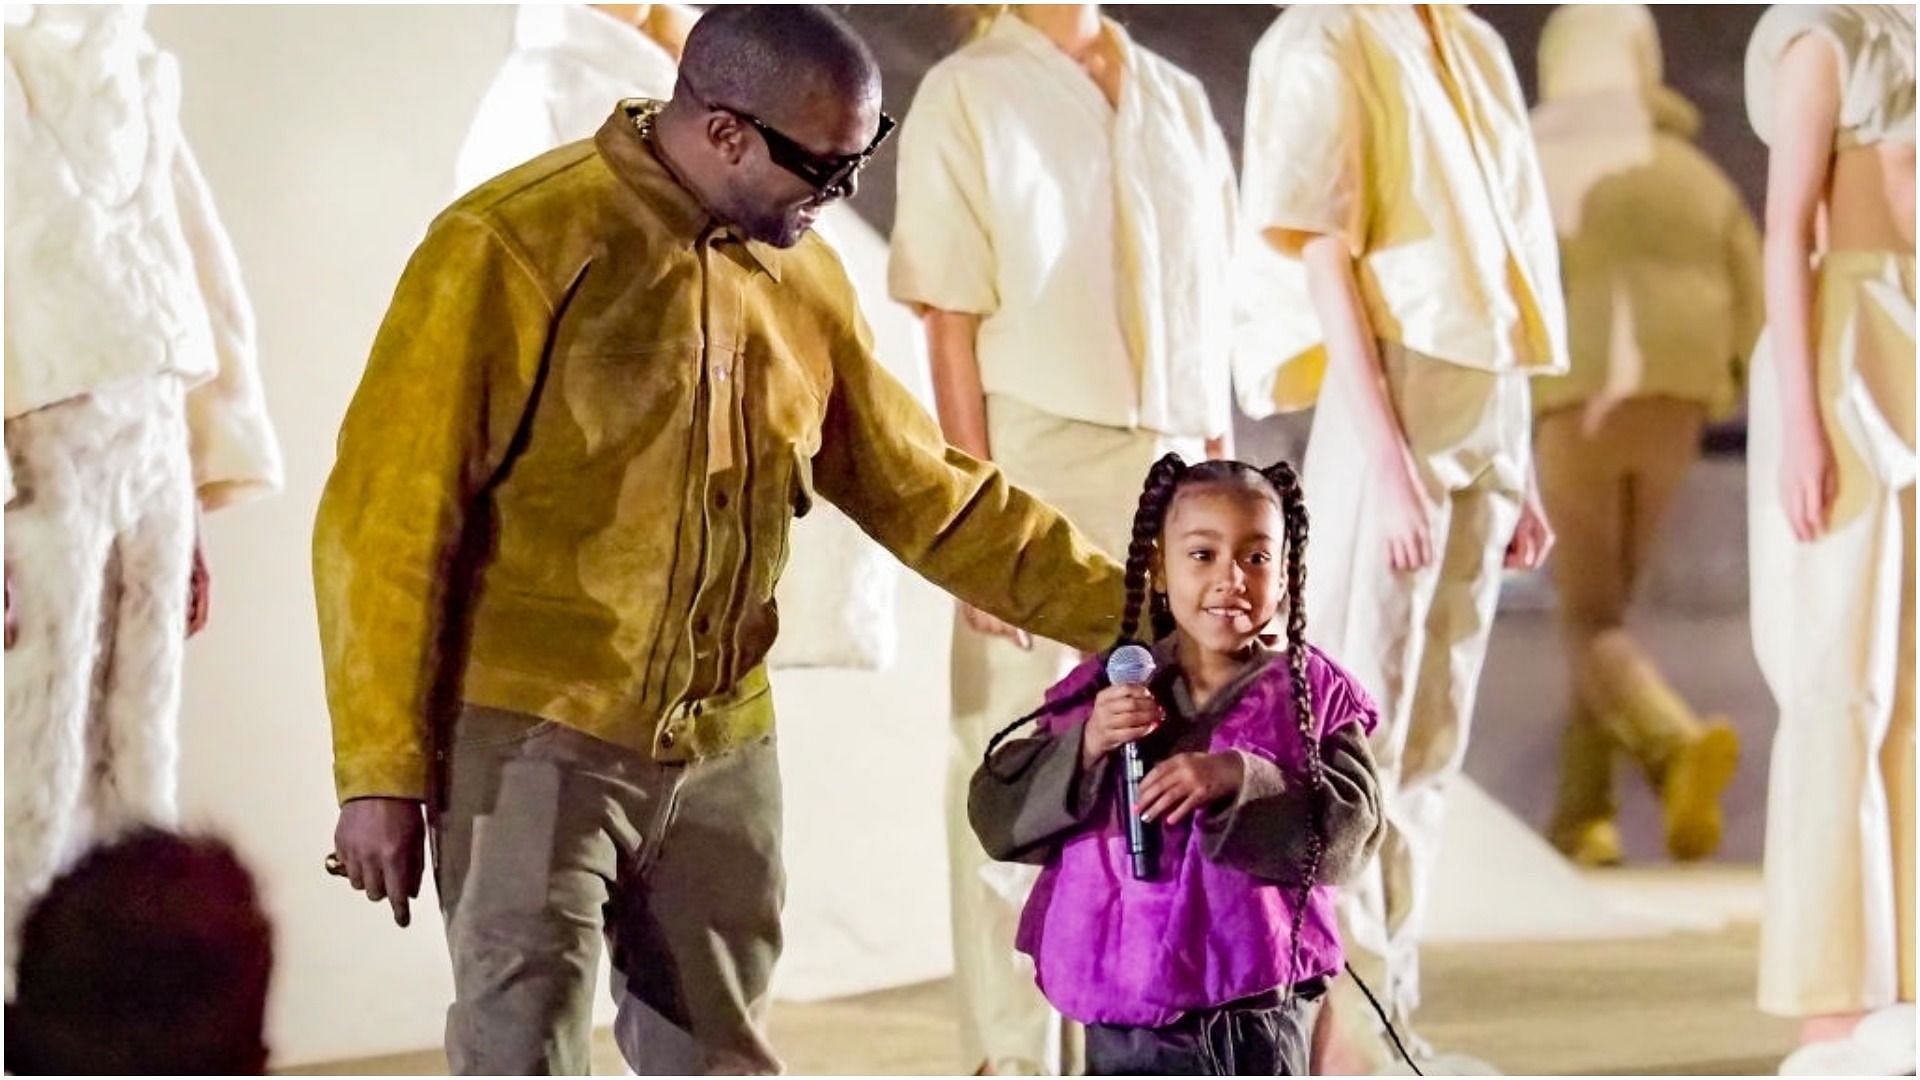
(328,135)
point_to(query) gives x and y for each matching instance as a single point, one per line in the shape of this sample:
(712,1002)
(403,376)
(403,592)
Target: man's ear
(727,136)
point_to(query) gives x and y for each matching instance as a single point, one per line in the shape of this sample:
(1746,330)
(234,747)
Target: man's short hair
(753,56)
(151,955)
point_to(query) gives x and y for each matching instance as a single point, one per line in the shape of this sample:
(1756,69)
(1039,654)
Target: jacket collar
(633,160)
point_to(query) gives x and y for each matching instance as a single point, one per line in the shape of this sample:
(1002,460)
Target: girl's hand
(1406,509)
(1187,782)
(1121,714)
(1809,480)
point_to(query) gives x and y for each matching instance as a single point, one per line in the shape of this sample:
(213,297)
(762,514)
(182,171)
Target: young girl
(1260,784)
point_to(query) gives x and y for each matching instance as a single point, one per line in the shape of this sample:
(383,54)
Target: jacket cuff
(402,776)
(236,456)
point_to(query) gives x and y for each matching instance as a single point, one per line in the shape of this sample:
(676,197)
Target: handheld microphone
(1132,665)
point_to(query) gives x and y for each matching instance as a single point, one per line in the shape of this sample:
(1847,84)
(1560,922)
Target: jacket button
(666,739)
(720,500)
(700,625)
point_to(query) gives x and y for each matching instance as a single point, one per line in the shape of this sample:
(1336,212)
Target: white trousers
(1415,640)
(1094,475)
(99,541)
(1833,631)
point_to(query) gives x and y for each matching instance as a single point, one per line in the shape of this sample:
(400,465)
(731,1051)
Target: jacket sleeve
(952,518)
(1033,793)
(941,247)
(235,453)
(1306,169)
(445,390)
(1265,831)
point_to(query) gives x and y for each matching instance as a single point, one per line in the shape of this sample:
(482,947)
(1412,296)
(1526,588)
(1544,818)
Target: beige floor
(1677,1004)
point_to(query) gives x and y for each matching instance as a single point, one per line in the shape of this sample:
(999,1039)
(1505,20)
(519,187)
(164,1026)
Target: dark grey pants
(553,841)
(1256,1036)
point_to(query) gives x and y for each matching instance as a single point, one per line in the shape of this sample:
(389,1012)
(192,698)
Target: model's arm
(1806,105)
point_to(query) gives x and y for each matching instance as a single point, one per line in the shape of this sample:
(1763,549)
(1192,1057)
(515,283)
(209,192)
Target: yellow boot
(1696,776)
(1592,843)
(1690,762)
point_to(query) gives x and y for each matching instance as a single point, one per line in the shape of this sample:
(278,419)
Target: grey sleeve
(1264,831)
(1031,794)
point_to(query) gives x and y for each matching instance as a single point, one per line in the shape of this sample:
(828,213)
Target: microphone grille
(1129,665)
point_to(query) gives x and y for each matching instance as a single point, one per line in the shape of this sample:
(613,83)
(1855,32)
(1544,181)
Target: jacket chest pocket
(786,408)
(615,396)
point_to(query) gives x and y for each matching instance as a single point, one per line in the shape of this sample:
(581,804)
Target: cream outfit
(130,389)
(1833,620)
(568,65)
(1415,149)
(1094,241)
(1427,170)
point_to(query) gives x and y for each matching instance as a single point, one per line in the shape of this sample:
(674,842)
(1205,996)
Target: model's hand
(199,589)
(381,843)
(1532,534)
(1809,480)
(1187,782)
(982,623)
(1120,715)
(1407,511)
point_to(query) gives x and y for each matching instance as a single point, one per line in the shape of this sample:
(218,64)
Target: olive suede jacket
(565,483)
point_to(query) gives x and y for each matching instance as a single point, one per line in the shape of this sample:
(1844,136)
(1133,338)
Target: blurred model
(1661,265)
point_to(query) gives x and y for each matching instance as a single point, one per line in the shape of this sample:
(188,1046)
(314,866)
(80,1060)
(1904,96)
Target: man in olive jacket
(608,381)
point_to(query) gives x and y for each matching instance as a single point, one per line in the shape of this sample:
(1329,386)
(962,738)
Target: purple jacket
(1216,924)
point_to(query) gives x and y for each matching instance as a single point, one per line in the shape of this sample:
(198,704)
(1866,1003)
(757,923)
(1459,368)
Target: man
(1402,246)
(837,595)
(1662,269)
(608,381)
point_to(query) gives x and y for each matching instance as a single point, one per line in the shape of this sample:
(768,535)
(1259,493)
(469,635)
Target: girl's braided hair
(1279,481)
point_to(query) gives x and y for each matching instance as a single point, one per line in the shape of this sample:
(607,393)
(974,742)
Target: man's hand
(1407,510)
(982,623)
(1120,715)
(1532,534)
(1187,782)
(381,843)
(199,589)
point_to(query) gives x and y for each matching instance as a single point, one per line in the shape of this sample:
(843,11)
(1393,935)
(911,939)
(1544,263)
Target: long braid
(1161,481)
(1148,518)
(1293,510)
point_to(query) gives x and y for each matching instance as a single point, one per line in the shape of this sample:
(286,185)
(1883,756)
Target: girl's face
(1220,556)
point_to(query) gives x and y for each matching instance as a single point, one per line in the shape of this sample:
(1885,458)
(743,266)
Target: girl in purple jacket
(1260,786)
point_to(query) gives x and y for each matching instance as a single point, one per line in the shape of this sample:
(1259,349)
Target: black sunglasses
(823,171)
